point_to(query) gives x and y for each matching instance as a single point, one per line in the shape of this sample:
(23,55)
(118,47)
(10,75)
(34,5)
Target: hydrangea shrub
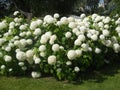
(60,47)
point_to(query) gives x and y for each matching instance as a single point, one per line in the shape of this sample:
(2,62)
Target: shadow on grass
(98,76)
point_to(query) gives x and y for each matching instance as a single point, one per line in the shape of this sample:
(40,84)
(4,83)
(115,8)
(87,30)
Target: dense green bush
(61,47)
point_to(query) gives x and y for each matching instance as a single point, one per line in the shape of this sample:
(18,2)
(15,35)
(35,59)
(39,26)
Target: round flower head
(7,58)
(29,41)
(37,60)
(16,13)
(97,50)
(105,32)
(37,31)
(77,42)
(21,56)
(72,25)
(78,52)
(2,25)
(68,35)
(33,25)
(49,19)
(81,37)
(56,15)
(42,48)
(2,67)
(52,60)
(29,54)
(68,63)
(35,74)
(8,49)
(42,54)
(64,20)
(71,55)
(21,64)
(94,37)
(76,69)
(55,47)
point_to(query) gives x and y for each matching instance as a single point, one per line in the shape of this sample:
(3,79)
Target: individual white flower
(68,35)
(22,27)
(82,16)
(16,13)
(83,29)
(94,37)
(78,52)
(37,60)
(17,50)
(58,23)
(29,54)
(7,58)
(52,59)
(102,37)
(106,26)
(10,70)
(37,31)
(55,47)
(61,47)
(2,25)
(42,48)
(22,34)
(81,37)
(68,63)
(53,37)
(49,19)
(77,42)
(97,50)
(97,19)
(29,41)
(107,20)
(39,22)
(72,25)
(100,24)
(71,54)
(24,68)
(28,33)
(118,29)
(33,25)
(75,30)
(116,47)
(21,56)
(85,47)
(64,20)
(56,15)
(23,43)
(8,49)
(71,19)
(44,39)
(76,69)
(16,42)
(90,49)
(16,20)
(105,32)
(21,64)
(3,67)
(108,43)
(16,37)
(42,54)
(35,74)
(48,34)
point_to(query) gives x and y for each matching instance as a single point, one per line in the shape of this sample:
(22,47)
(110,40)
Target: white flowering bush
(61,47)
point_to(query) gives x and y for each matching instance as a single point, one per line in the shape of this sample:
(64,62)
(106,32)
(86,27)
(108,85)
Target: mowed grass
(104,79)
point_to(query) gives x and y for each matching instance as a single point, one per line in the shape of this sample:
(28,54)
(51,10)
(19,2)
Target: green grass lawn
(104,79)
